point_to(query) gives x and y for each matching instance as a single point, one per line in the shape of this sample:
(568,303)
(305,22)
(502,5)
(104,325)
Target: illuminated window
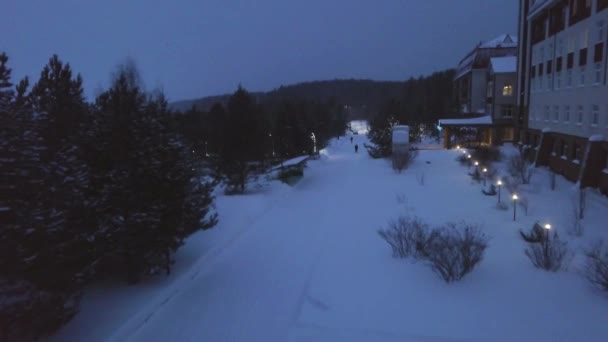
(507,90)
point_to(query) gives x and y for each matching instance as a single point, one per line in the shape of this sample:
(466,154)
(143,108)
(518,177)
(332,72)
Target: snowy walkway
(311,267)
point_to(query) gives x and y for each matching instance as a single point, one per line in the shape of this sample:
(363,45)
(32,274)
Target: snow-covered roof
(478,58)
(504,40)
(596,137)
(504,64)
(481,120)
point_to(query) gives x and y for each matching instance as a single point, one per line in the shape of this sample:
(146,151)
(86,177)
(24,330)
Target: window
(564,148)
(556,113)
(546,113)
(598,74)
(579,116)
(506,111)
(566,113)
(507,90)
(582,75)
(584,38)
(575,152)
(569,78)
(600,31)
(595,115)
(582,57)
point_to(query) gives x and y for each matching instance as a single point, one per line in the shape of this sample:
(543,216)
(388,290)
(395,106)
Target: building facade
(485,87)
(562,74)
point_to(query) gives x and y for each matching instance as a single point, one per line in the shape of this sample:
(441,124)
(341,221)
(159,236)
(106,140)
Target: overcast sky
(194,48)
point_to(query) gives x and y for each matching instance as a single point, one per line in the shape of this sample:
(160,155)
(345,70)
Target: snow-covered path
(310,267)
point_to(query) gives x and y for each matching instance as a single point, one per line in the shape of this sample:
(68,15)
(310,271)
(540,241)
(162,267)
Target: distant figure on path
(356,148)
(351,140)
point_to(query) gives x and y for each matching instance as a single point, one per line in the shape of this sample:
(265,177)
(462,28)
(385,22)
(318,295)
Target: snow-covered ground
(305,263)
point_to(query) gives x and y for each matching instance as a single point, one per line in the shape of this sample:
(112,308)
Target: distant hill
(430,95)
(361,95)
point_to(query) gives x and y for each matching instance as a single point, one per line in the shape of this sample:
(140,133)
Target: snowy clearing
(305,263)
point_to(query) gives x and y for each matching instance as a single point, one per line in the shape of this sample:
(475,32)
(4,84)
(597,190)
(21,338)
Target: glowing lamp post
(499,184)
(514,198)
(547,229)
(458,147)
(485,172)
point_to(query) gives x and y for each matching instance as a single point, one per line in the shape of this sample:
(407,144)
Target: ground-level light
(499,184)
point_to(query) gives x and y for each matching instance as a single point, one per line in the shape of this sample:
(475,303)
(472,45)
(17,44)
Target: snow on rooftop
(596,137)
(504,40)
(482,120)
(504,64)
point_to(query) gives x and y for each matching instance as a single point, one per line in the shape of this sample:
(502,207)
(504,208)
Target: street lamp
(499,184)
(272,142)
(485,170)
(514,198)
(314,142)
(547,228)
(458,147)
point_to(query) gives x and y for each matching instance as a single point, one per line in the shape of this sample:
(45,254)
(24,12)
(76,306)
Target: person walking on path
(351,140)
(356,148)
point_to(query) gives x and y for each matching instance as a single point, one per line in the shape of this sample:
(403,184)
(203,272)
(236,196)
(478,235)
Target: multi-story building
(563,86)
(485,89)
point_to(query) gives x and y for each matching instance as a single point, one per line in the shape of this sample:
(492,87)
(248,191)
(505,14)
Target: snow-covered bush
(536,234)
(455,250)
(407,236)
(550,254)
(464,160)
(596,265)
(520,167)
(401,160)
(486,154)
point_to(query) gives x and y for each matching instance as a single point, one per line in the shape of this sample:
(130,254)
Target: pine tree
(242,144)
(41,274)
(148,196)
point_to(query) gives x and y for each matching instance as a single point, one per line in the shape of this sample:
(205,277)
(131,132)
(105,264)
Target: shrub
(596,266)
(520,167)
(476,175)
(402,159)
(536,234)
(491,191)
(463,160)
(407,236)
(455,250)
(288,175)
(549,254)
(486,154)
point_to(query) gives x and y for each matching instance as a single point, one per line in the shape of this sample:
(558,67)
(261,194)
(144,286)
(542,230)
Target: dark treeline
(362,97)
(423,101)
(108,189)
(245,136)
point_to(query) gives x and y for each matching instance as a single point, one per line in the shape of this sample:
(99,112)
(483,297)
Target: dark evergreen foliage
(87,191)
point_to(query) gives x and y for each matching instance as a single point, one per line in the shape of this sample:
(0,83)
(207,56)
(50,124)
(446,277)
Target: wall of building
(500,100)
(479,81)
(556,99)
